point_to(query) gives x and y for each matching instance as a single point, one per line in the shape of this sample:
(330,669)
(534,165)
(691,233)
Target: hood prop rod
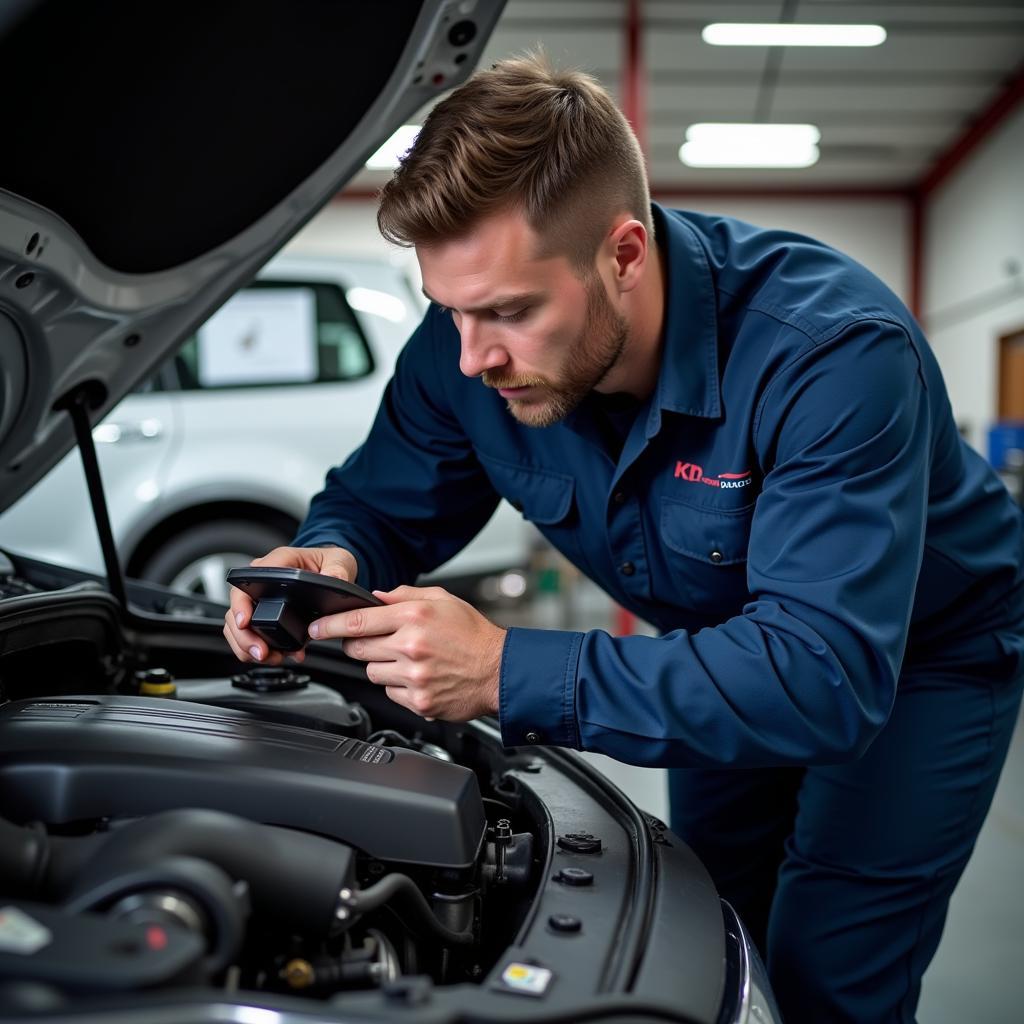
(77,405)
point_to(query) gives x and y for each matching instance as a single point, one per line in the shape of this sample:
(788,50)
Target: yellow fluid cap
(158,689)
(156,682)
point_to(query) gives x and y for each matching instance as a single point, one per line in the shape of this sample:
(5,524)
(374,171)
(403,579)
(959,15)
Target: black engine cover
(78,758)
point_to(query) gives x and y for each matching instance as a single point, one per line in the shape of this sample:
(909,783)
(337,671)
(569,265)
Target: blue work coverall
(836,575)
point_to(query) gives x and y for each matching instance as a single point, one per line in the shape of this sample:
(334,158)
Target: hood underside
(157,156)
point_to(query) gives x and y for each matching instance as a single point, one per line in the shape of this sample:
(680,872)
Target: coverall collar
(688,381)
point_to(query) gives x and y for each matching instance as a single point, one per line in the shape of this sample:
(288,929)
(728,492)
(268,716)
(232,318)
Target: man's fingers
(233,643)
(337,562)
(370,649)
(379,621)
(407,593)
(402,696)
(249,646)
(241,605)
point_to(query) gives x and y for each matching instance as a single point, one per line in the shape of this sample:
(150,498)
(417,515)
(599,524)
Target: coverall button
(532,737)
(716,557)
(619,497)
(627,568)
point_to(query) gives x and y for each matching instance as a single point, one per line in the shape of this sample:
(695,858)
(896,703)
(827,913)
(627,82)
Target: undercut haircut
(521,136)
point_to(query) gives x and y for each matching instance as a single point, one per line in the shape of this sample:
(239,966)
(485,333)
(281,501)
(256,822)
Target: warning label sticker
(20,933)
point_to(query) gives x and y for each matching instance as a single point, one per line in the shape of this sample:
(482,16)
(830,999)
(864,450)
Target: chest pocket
(545,498)
(706,556)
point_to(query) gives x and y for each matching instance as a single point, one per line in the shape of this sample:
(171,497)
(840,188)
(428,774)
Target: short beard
(593,354)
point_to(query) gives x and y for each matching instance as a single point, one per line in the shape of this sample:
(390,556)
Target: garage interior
(915,169)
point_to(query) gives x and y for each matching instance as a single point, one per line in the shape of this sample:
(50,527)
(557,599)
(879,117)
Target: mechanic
(744,438)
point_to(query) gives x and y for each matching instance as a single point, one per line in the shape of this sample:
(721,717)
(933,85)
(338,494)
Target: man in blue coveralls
(743,437)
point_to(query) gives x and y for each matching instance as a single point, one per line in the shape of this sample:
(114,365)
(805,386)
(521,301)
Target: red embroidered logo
(692,473)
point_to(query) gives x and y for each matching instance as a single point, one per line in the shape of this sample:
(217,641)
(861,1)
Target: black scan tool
(288,600)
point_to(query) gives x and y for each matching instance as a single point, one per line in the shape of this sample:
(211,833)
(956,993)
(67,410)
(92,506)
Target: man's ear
(627,244)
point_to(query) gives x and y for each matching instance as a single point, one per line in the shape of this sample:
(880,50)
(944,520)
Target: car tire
(197,560)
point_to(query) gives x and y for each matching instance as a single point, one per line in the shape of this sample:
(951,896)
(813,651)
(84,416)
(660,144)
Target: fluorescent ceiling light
(735,34)
(389,155)
(750,145)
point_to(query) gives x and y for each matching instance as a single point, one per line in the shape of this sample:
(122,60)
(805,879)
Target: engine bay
(253,831)
(178,831)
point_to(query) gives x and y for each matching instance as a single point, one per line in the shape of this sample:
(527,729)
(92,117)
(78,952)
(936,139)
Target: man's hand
(249,646)
(433,653)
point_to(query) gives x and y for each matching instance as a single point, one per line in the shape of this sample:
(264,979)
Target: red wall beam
(917,254)
(980,129)
(634,74)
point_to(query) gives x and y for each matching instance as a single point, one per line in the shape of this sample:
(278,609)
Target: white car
(213,461)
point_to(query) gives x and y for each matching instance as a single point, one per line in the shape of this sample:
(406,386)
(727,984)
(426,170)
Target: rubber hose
(294,878)
(24,858)
(406,892)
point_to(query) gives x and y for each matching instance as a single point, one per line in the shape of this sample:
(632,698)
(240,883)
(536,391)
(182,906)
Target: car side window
(273,333)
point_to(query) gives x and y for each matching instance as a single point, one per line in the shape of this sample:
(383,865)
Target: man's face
(530,327)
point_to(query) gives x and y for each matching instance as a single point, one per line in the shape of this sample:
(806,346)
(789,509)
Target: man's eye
(511,318)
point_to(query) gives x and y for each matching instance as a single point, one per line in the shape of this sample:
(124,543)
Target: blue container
(1003,438)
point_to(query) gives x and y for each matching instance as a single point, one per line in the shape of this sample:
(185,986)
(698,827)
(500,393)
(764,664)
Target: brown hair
(521,135)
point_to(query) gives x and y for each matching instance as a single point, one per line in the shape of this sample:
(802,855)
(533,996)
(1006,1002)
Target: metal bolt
(298,973)
(565,923)
(574,876)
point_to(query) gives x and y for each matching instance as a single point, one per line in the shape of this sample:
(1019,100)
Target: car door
(134,446)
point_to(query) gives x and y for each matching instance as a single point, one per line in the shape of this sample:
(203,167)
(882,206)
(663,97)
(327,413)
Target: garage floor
(977,971)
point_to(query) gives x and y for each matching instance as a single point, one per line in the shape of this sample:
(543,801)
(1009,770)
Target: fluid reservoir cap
(579,842)
(267,679)
(155,682)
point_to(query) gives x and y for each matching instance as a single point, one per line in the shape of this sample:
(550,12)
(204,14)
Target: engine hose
(35,864)
(24,859)
(407,896)
(293,877)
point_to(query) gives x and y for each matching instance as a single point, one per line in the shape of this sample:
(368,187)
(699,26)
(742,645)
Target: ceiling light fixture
(736,34)
(712,144)
(390,154)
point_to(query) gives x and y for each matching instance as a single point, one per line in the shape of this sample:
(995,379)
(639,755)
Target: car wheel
(197,561)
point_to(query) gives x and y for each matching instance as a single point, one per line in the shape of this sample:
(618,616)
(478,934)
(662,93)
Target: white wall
(344,227)
(872,230)
(875,231)
(974,236)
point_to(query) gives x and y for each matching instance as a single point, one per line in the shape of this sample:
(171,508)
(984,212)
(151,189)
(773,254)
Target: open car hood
(156,156)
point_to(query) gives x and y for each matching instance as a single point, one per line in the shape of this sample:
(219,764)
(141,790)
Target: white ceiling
(885,113)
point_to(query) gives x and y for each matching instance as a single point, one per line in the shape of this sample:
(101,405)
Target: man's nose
(478,353)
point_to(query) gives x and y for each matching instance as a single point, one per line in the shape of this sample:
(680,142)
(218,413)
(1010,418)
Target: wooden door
(1011,376)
